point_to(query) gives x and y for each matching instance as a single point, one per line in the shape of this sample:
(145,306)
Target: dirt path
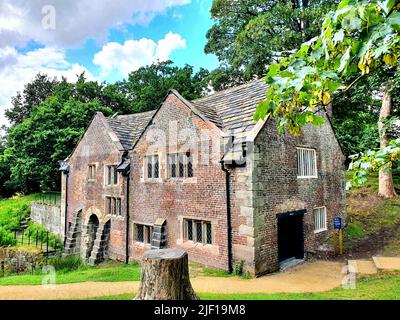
(309,277)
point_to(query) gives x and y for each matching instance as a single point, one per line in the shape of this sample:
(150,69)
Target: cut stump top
(164,254)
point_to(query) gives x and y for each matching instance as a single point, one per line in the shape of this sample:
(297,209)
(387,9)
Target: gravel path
(308,277)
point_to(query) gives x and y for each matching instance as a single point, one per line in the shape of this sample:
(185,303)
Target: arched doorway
(92,227)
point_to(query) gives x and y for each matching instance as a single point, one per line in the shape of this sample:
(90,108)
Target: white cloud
(134,54)
(17,69)
(75,20)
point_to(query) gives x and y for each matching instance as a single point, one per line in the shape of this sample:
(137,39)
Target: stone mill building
(203,176)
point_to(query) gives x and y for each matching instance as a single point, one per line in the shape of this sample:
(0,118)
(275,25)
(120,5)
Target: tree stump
(165,276)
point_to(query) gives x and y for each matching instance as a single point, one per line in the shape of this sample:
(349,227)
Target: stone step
(362,266)
(387,263)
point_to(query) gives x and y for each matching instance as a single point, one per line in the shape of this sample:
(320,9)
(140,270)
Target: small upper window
(320,219)
(113,206)
(180,165)
(111,175)
(153,167)
(92,172)
(306,163)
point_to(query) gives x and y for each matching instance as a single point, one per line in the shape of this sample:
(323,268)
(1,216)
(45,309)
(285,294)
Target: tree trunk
(386,186)
(165,276)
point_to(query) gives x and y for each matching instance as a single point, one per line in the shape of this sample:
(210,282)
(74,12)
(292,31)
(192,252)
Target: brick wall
(201,197)
(98,146)
(276,188)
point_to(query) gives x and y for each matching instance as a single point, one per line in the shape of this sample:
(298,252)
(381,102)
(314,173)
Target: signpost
(338,233)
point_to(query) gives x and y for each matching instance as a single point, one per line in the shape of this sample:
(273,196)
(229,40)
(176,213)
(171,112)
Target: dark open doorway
(290,235)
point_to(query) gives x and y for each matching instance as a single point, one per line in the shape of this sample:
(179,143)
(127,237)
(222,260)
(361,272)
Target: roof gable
(233,109)
(129,128)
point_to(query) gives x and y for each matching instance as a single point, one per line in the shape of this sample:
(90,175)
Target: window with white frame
(306,163)
(198,231)
(180,165)
(111,175)
(320,219)
(153,167)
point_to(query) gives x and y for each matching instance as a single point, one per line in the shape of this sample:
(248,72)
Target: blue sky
(191,21)
(106,39)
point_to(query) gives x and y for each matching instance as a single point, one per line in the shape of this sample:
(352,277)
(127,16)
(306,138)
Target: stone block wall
(49,216)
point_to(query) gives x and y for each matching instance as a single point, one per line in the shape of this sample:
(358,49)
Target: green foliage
(238,268)
(66,264)
(50,117)
(355,40)
(249,35)
(36,229)
(6,238)
(15,209)
(149,85)
(365,163)
(354,231)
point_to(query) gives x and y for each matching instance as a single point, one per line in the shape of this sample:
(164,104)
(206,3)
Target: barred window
(153,167)
(180,165)
(111,175)
(320,219)
(306,163)
(198,231)
(143,233)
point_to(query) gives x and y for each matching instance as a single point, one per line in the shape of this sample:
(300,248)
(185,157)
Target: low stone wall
(49,217)
(13,260)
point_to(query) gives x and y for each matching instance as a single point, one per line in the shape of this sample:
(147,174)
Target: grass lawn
(111,272)
(384,286)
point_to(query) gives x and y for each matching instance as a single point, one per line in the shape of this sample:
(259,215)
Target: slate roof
(233,109)
(129,127)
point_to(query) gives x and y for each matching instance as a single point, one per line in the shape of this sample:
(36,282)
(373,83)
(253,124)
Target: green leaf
(345,59)
(387,5)
(273,69)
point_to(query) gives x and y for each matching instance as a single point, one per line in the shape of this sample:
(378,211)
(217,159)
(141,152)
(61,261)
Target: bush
(33,229)
(239,268)
(6,238)
(66,264)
